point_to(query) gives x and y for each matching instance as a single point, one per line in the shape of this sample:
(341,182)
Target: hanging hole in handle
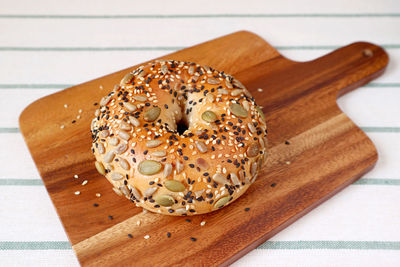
(368,52)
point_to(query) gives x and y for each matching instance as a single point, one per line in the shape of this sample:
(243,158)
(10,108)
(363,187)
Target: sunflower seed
(135,122)
(135,192)
(140,98)
(181,210)
(260,112)
(100,148)
(109,157)
(124,135)
(97,112)
(124,126)
(246,93)
(201,146)
(238,83)
(251,127)
(202,163)
(164,69)
(179,166)
(164,200)
(149,167)
(152,114)
(246,105)
(127,79)
(199,193)
(174,186)
(236,92)
(234,179)
(116,176)
(160,153)
(124,190)
(130,107)
(113,141)
(104,133)
(228,85)
(142,73)
(100,168)
(221,202)
(124,164)
(213,81)
(253,179)
(209,116)
(104,101)
(121,148)
(261,141)
(242,177)
(153,143)
(223,91)
(117,191)
(238,110)
(150,191)
(253,169)
(253,150)
(210,98)
(167,170)
(220,178)
(191,70)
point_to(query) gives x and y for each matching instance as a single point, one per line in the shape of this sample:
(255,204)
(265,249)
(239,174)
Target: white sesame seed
(77,192)
(62,126)
(98,195)
(84,182)
(65,106)
(260,90)
(287,162)
(80,111)
(76,176)
(146,237)
(202,223)
(138,222)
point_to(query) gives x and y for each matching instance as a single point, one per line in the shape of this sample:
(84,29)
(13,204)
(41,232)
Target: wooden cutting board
(315,150)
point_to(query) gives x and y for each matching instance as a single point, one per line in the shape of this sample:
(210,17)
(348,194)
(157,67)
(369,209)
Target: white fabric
(40,56)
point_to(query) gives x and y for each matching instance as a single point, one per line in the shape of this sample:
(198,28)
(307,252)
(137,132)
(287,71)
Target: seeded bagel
(179,138)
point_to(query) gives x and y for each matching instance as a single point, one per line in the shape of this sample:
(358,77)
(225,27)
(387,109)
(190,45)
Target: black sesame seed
(273,184)
(193,239)
(130,236)
(168,234)
(188,220)
(246,209)
(95,205)
(110,217)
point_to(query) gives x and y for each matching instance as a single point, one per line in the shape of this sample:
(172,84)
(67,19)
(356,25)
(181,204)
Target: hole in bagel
(182,126)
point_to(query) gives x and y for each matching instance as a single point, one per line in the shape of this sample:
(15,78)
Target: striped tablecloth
(46,46)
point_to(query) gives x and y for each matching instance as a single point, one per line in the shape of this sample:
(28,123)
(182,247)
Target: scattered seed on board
(62,126)
(287,162)
(77,192)
(76,176)
(65,106)
(168,234)
(202,223)
(260,90)
(98,195)
(85,182)
(130,236)
(146,237)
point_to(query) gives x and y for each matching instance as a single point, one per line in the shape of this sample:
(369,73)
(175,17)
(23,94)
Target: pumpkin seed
(174,186)
(221,202)
(220,178)
(164,69)
(213,81)
(135,122)
(153,143)
(260,112)
(135,192)
(104,133)
(253,169)
(251,127)
(124,164)
(117,191)
(101,148)
(160,153)
(164,200)
(124,126)
(234,179)
(124,190)
(253,150)
(140,98)
(130,107)
(113,141)
(167,170)
(109,157)
(124,135)
(209,116)
(104,101)
(201,146)
(150,191)
(127,79)
(179,166)
(100,168)
(116,176)
(236,92)
(238,110)
(202,163)
(149,167)
(191,70)
(121,148)
(210,98)
(152,114)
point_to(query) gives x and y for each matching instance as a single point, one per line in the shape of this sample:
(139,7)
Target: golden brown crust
(140,151)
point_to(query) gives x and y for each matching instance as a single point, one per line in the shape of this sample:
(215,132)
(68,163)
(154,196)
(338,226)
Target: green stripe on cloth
(33,245)
(9,130)
(156,48)
(323,244)
(195,16)
(373,129)
(20,181)
(374,181)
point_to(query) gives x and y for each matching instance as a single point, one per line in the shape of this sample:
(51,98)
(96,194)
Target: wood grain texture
(325,153)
